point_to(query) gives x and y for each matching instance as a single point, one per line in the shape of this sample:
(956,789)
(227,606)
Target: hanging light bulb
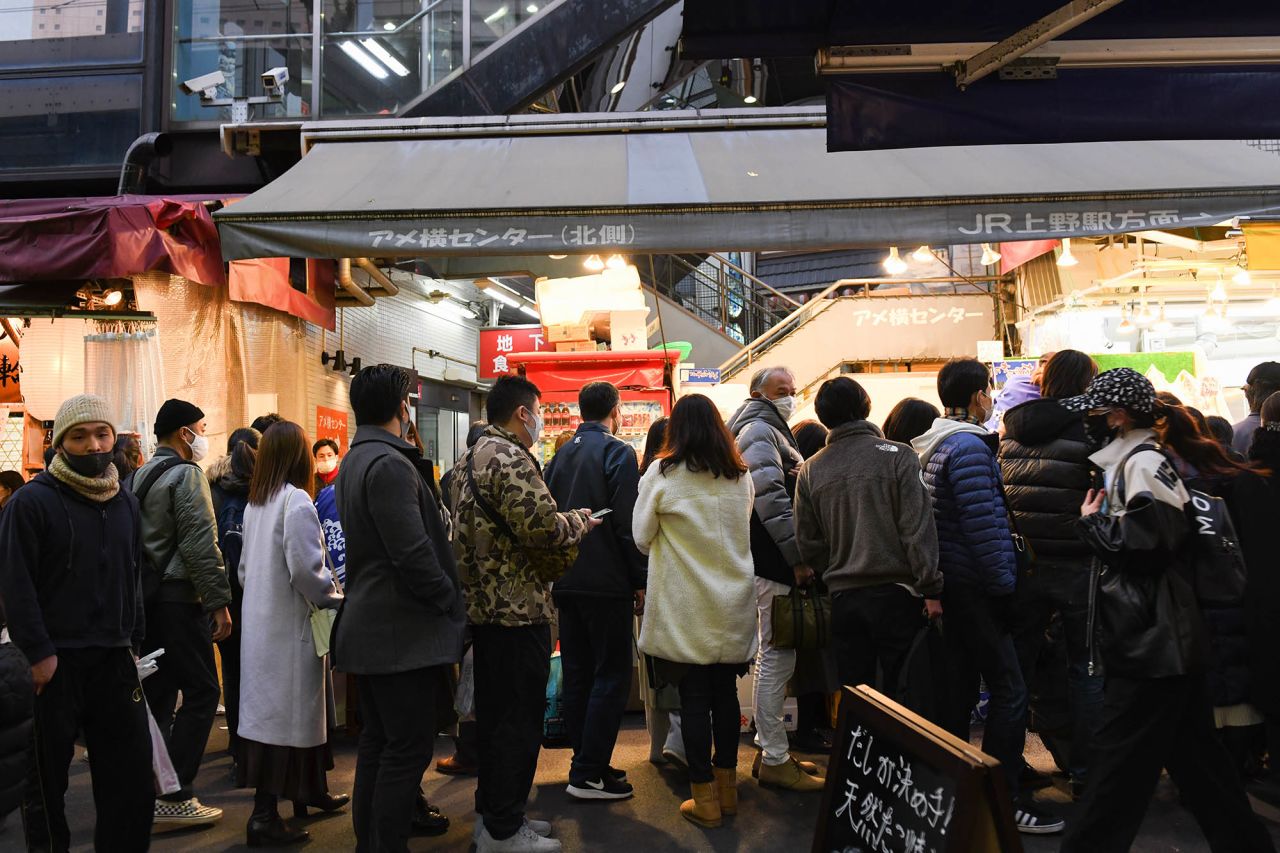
(1219,292)
(112,298)
(594,263)
(616,262)
(1215,319)
(894,264)
(1126,326)
(1066,259)
(1162,323)
(990,257)
(922,255)
(1241,276)
(1145,317)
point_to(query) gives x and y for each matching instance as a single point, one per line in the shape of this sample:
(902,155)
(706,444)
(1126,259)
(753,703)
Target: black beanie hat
(174,415)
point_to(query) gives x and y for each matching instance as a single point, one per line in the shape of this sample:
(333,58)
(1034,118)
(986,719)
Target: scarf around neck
(953,414)
(100,489)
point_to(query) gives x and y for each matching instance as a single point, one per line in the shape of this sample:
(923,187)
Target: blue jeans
(979,643)
(1046,589)
(596,654)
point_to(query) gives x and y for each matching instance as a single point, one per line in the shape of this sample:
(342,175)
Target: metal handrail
(411,19)
(757,312)
(721,259)
(781,330)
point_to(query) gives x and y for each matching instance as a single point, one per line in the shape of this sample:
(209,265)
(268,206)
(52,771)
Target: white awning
(685,182)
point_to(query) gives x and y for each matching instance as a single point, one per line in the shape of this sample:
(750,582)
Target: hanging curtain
(122,364)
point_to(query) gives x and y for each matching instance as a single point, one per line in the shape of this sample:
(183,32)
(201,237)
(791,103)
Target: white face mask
(199,446)
(786,406)
(327,466)
(535,431)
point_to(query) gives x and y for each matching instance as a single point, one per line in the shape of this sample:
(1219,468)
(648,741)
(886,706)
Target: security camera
(275,78)
(205,85)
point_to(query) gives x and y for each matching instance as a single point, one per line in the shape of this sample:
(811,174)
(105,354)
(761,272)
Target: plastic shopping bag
(166,777)
(464,700)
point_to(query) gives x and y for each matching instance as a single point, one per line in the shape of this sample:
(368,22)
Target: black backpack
(1218,569)
(231,538)
(152,574)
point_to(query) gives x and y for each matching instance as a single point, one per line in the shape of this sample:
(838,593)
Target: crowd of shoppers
(1068,526)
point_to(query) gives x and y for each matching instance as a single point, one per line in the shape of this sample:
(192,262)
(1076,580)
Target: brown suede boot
(807,766)
(790,776)
(727,785)
(704,808)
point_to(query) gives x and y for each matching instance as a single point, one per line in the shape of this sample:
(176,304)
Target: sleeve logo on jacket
(887,448)
(1166,475)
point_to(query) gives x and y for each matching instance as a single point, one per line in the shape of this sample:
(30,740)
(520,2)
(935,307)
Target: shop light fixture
(618,87)
(1215,319)
(112,298)
(375,47)
(1127,326)
(497,294)
(594,263)
(531,311)
(557,257)
(1241,276)
(750,99)
(616,262)
(1219,292)
(454,310)
(497,15)
(1066,259)
(1145,316)
(1162,323)
(990,257)
(389,26)
(532,8)
(364,60)
(922,255)
(894,264)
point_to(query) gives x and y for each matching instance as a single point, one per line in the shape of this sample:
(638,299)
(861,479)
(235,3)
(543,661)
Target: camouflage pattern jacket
(499,587)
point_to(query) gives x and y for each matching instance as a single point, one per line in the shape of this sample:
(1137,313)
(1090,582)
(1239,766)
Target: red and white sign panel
(496,344)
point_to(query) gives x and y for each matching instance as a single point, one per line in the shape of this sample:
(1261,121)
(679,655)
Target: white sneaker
(524,841)
(187,813)
(541,827)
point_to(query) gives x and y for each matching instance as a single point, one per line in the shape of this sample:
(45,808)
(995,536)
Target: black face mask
(1099,432)
(89,464)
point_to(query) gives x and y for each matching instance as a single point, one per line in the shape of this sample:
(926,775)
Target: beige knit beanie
(81,409)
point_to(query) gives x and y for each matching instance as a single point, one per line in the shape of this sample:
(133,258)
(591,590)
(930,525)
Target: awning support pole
(1028,38)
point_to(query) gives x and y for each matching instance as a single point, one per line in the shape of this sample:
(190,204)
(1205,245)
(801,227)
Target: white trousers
(774,668)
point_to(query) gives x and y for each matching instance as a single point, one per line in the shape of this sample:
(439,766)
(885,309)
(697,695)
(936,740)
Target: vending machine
(644,379)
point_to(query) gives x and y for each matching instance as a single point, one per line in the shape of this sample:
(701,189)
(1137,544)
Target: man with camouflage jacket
(503,512)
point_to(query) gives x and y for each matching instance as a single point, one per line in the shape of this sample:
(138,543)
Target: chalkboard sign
(899,784)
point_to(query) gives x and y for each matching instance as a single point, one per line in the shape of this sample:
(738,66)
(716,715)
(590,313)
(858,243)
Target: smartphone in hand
(601,513)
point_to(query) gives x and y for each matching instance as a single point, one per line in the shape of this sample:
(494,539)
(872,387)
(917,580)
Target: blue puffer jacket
(975,548)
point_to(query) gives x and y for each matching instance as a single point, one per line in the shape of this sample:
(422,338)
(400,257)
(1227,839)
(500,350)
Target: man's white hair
(761,377)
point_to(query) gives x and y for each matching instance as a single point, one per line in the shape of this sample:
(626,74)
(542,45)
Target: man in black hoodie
(595,597)
(1044,457)
(70,551)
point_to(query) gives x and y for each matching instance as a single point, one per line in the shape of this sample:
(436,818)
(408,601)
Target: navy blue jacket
(599,471)
(69,569)
(975,547)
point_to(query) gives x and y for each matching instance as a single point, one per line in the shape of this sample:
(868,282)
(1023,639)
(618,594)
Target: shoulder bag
(801,620)
(547,564)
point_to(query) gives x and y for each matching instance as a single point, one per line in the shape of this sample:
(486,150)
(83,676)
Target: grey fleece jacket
(863,515)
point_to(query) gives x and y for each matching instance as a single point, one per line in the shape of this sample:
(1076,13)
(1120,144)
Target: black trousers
(710,716)
(870,626)
(979,643)
(187,665)
(596,653)
(229,655)
(95,690)
(511,670)
(398,715)
(1152,723)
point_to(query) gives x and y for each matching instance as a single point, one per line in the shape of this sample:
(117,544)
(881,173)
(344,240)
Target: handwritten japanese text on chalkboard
(891,804)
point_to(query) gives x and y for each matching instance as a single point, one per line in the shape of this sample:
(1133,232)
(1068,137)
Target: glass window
(493,19)
(215,35)
(68,121)
(103,32)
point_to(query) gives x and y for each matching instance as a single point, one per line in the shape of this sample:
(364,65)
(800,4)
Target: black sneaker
(618,775)
(604,788)
(1032,821)
(1031,779)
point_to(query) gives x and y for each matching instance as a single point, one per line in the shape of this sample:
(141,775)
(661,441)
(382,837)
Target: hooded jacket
(70,570)
(17,722)
(599,471)
(180,535)
(1044,458)
(863,515)
(230,495)
(1262,586)
(975,546)
(1145,605)
(771,454)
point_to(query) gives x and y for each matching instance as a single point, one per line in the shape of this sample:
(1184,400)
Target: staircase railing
(784,328)
(718,292)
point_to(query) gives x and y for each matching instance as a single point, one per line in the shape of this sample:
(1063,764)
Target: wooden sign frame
(983,816)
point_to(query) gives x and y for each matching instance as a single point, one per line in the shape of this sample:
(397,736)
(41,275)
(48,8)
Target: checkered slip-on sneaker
(187,812)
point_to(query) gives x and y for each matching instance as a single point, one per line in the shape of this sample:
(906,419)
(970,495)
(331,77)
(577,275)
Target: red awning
(569,371)
(112,237)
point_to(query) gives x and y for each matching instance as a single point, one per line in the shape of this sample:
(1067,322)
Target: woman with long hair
(284,748)
(653,442)
(692,518)
(229,487)
(127,457)
(910,419)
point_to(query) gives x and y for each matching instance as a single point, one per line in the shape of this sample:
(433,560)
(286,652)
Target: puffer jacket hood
(1039,422)
(221,475)
(941,430)
(759,409)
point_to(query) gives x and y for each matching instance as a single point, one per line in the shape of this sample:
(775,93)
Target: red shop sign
(497,343)
(332,423)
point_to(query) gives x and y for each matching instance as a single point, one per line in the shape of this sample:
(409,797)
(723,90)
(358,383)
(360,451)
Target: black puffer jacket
(1044,458)
(17,698)
(1262,599)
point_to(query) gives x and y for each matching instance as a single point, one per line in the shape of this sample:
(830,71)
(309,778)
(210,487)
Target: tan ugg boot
(704,808)
(790,776)
(727,785)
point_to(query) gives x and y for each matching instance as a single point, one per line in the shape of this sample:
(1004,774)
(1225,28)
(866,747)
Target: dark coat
(1044,457)
(69,570)
(769,449)
(403,607)
(17,708)
(1262,611)
(599,471)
